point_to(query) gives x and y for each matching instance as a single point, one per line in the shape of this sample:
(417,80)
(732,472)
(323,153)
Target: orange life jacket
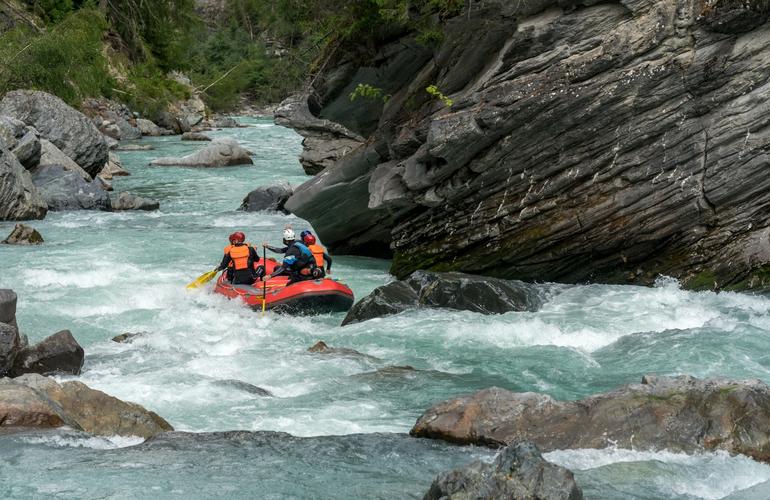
(318,254)
(240,256)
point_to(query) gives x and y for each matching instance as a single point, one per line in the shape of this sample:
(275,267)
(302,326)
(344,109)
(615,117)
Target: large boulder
(128,201)
(36,401)
(146,127)
(682,413)
(51,155)
(616,160)
(10,345)
(22,140)
(57,354)
(23,235)
(220,153)
(8,301)
(464,292)
(518,472)
(267,198)
(68,129)
(19,198)
(66,190)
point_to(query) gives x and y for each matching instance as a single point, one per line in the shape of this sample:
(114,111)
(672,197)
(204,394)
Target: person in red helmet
(319,254)
(239,260)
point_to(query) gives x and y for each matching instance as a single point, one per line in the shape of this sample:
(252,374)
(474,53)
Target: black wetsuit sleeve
(225,261)
(276,249)
(328,260)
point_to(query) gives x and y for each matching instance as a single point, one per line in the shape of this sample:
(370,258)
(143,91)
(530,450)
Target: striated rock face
(271,198)
(612,142)
(66,190)
(221,153)
(676,413)
(51,155)
(23,235)
(458,291)
(68,129)
(36,401)
(19,198)
(518,472)
(324,142)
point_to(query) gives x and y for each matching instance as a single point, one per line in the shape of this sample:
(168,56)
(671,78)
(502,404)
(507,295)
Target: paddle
(264,279)
(203,279)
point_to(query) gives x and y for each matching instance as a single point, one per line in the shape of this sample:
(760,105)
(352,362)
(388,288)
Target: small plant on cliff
(435,92)
(367,91)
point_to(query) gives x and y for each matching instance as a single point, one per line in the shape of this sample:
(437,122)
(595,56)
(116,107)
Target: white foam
(94,442)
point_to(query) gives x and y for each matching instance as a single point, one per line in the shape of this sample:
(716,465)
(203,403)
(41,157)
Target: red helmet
(309,239)
(237,237)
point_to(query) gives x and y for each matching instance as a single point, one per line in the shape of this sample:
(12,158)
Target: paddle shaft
(264,280)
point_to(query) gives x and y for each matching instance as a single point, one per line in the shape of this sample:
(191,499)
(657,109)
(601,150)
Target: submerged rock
(321,347)
(243,386)
(127,337)
(221,153)
(135,147)
(35,401)
(23,235)
(57,354)
(68,129)
(518,472)
(458,291)
(19,198)
(676,413)
(267,198)
(128,201)
(195,136)
(63,189)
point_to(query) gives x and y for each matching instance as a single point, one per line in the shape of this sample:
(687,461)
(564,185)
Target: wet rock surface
(221,153)
(615,161)
(23,235)
(57,354)
(270,198)
(128,201)
(518,472)
(68,129)
(321,347)
(682,413)
(35,401)
(446,290)
(195,136)
(240,385)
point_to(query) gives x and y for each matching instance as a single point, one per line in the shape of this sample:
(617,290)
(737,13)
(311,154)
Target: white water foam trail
(78,441)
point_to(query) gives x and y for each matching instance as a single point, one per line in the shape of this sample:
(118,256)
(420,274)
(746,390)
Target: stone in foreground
(267,198)
(23,235)
(682,413)
(220,153)
(57,354)
(518,472)
(36,401)
(463,292)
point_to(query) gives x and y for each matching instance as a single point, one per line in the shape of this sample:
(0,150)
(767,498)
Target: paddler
(239,260)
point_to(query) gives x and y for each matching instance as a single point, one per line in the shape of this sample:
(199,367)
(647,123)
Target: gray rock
(615,161)
(682,414)
(146,127)
(458,291)
(11,130)
(23,235)
(321,347)
(19,198)
(59,353)
(243,386)
(10,345)
(220,153)
(113,167)
(267,198)
(106,185)
(8,301)
(66,190)
(128,201)
(518,472)
(127,337)
(28,149)
(51,155)
(69,130)
(195,136)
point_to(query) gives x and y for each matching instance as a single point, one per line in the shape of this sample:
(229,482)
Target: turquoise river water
(336,426)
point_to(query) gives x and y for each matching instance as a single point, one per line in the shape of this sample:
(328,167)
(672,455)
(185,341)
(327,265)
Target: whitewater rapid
(102,274)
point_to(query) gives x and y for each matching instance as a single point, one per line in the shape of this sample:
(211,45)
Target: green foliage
(369,92)
(66,60)
(149,91)
(435,92)
(52,11)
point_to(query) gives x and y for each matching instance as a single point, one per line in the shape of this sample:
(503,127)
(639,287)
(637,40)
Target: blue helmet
(303,234)
(289,261)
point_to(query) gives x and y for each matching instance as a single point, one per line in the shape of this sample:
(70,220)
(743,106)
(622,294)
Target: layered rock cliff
(605,141)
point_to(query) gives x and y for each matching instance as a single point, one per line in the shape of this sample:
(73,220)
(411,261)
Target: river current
(336,426)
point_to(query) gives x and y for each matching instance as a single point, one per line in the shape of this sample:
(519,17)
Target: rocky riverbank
(605,142)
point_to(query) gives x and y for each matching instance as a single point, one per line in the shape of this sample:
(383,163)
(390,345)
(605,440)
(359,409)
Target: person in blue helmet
(298,261)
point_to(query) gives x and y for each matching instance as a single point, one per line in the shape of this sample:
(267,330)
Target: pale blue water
(102,274)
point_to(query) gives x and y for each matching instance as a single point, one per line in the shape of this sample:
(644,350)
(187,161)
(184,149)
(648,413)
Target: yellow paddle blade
(203,279)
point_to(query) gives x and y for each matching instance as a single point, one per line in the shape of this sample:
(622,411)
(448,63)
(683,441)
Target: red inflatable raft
(303,297)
